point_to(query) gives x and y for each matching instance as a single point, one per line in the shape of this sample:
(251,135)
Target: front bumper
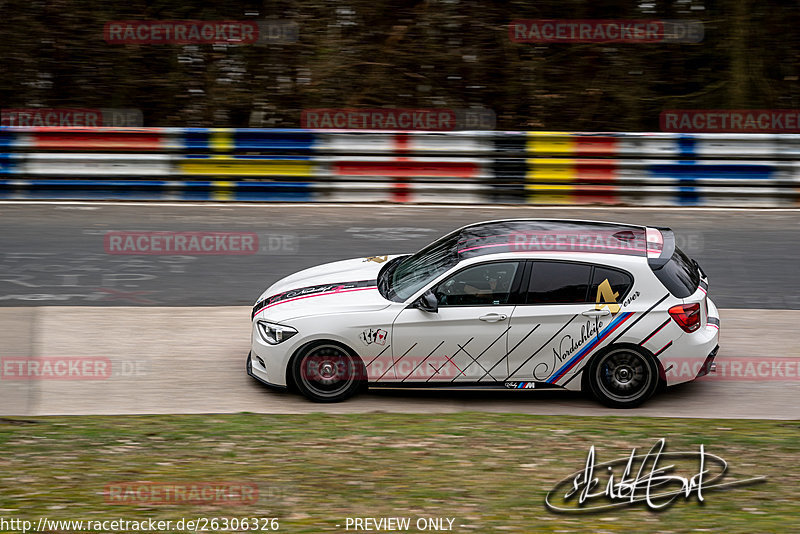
(269,363)
(258,371)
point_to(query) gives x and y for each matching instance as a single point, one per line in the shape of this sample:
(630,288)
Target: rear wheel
(623,377)
(327,372)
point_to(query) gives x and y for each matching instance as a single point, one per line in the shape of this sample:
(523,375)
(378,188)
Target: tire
(326,371)
(623,376)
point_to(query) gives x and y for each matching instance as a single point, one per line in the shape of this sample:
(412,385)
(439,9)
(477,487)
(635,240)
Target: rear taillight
(687,316)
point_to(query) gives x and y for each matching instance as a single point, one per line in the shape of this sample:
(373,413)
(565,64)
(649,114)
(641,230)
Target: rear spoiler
(664,237)
(702,272)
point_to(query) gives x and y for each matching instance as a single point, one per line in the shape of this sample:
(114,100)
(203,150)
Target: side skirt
(475,386)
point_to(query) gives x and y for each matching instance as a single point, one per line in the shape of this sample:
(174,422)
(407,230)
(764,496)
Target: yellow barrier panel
(549,194)
(222,190)
(229,166)
(550,143)
(550,170)
(221,139)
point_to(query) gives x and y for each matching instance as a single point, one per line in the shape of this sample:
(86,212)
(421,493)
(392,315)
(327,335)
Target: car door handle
(596,313)
(493,317)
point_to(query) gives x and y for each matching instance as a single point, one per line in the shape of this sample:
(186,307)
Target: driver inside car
(476,288)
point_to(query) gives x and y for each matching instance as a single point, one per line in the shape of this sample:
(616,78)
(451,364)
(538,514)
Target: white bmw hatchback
(523,304)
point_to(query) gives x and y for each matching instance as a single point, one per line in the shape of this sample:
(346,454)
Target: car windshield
(413,272)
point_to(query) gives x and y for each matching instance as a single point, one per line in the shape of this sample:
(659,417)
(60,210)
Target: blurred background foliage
(402,54)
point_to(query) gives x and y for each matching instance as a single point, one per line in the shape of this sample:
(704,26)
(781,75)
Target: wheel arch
(290,382)
(662,377)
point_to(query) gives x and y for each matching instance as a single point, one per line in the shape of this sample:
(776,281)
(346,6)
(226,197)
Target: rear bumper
(708,366)
(692,355)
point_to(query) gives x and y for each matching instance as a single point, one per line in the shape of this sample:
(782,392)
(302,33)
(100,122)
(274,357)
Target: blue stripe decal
(618,320)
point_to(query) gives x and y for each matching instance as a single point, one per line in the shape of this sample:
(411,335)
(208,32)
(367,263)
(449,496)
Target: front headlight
(274,333)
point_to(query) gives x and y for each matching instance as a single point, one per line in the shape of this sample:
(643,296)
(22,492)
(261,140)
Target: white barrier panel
(96,165)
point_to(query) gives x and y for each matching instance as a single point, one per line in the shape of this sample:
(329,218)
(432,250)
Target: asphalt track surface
(192,360)
(54,254)
(175,329)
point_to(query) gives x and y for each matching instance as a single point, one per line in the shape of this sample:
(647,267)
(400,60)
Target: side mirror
(427,302)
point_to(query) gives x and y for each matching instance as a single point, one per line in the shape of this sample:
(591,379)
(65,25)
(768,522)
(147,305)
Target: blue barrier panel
(157,189)
(7,138)
(691,170)
(248,157)
(265,139)
(103,184)
(8,164)
(248,139)
(686,145)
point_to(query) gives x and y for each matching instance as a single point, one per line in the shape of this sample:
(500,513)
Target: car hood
(338,287)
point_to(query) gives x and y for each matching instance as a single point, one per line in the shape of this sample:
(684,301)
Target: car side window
(486,284)
(555,282)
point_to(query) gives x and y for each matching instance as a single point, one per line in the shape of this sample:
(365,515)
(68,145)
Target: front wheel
(327,372)
(623,377)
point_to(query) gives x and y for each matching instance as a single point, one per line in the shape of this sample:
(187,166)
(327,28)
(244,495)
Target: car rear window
(679,275)
(559,283)
(619,282)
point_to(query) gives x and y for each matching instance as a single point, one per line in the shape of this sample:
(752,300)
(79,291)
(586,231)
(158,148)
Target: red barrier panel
(408,168)
(595,170)
(589,146)
(136,139)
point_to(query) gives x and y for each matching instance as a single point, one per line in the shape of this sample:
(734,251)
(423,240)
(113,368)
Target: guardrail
(346,165)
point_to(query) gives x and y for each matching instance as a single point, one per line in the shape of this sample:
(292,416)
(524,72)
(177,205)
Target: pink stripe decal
(552,247)
(316,295)
(548,233)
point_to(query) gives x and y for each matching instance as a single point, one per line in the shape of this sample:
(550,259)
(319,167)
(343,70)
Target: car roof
(552,235)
